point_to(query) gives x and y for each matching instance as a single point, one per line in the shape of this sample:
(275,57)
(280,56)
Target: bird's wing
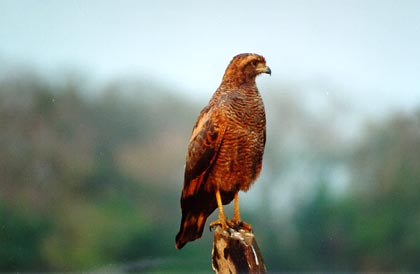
(203,148)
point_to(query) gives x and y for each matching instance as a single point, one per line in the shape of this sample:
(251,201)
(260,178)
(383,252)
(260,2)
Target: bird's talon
(238,224)
(230,224)
(222,223)
(212,226)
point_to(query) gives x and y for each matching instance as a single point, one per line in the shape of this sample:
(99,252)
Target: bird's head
(244,68)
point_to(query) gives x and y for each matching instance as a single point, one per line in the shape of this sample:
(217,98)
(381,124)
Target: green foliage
(372,228)
(21,237)
(62,154)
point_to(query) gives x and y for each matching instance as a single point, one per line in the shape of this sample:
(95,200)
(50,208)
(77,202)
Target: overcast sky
(368,50)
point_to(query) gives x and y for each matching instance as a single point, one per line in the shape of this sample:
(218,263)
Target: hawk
(225,150)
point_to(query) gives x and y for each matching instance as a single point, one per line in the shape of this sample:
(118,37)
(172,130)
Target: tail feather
(192,226)
(195,211)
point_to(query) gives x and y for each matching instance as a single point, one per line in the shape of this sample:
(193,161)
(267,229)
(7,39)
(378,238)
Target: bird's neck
(238,83)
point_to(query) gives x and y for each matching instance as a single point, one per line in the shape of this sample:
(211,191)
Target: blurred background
(97,103)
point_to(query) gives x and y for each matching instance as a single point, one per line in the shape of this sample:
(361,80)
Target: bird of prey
(225,150)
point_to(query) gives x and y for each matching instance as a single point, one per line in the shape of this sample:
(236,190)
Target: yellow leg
(237,222)
(236,215)
(222,217)
(220,205)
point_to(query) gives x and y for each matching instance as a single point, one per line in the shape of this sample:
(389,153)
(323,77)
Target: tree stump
(236,252)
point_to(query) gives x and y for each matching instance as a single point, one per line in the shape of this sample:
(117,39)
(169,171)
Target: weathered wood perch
(236,252)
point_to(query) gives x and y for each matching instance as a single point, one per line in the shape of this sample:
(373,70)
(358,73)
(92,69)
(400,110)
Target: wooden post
(236,252)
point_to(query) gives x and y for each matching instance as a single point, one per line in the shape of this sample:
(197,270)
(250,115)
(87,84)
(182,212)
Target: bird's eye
(254,63)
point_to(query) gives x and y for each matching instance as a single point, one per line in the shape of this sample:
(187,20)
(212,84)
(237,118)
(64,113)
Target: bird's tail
(192,225)
(195,211)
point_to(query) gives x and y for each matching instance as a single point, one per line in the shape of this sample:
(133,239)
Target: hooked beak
(262,68)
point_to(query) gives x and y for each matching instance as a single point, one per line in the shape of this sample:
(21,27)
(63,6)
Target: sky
(367,52)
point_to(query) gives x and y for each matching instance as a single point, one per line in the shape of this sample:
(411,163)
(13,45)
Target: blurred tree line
(92,182)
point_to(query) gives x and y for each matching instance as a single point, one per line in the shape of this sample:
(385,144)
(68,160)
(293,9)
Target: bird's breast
(239,160)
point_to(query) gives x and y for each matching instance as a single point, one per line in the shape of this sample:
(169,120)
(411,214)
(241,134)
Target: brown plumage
(225,150)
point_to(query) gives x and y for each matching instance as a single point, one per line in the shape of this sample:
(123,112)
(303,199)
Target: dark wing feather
(203,148)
